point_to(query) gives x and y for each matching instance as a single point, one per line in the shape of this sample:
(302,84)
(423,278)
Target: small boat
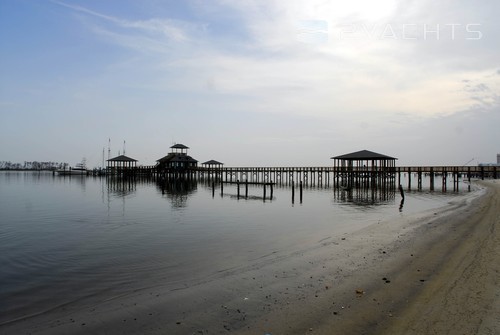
(79,169)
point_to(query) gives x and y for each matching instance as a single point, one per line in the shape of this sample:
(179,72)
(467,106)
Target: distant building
(492,164)
(177,160)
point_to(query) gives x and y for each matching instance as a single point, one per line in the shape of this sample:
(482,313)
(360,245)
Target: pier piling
(300,189)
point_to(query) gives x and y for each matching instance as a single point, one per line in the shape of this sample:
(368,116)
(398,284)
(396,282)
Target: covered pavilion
(364,168)
(212,164)
(121,164)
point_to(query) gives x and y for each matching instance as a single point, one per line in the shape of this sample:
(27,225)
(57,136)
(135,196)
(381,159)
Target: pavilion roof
(363,155)
(212,162)
(121,158)
(179,146)
(175,157)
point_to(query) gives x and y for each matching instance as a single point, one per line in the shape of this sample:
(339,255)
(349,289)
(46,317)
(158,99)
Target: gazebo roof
(175,157)
(363,155)
(212,162)
(179,146)
(121,158)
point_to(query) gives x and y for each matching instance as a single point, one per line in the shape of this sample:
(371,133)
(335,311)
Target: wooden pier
(278,175)
(445,172)
(245,184)
(357,170)
(326,176)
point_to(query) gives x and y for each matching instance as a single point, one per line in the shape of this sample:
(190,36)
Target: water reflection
(121,186)
(365,196)
(177,190)
(401,204)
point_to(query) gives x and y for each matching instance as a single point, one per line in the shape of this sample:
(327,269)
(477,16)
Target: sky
(250,83)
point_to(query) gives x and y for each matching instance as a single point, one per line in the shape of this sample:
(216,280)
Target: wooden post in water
(293,192)
(445,176)
(238,189)
(271,197)
(221,188)
(468,177)
(213,189)
(246,188)
(454,181)
(264,192)
(409,178)
(432,179)
(300,188)
(419,178)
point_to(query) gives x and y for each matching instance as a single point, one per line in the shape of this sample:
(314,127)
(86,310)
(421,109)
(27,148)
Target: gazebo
(212,167)
(121,164)
(364,168)
(212,164)
(179,149)
(177,160)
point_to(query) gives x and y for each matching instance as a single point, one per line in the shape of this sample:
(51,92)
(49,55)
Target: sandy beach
(436,272)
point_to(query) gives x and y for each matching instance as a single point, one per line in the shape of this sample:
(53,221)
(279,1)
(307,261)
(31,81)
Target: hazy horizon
(250,83)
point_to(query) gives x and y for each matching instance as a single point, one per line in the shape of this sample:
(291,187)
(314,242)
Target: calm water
(67,240)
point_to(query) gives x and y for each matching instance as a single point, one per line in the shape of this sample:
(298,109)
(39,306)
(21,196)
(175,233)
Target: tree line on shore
(5,165)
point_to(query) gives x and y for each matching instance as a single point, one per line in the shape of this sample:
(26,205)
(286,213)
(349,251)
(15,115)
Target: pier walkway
(329,175)
(324,176)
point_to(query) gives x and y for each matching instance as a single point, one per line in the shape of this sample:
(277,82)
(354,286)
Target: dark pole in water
(238,188)
(264,192)
(401,204)
(221,188)
(246,188)
(213,189)
(271,196)
(293,192)
(468,177)
(300,188)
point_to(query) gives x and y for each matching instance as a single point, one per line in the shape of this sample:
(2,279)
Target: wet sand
(437,272)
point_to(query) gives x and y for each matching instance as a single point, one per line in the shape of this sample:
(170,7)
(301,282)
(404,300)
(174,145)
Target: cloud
(163,29)
(483,90)
(271,71)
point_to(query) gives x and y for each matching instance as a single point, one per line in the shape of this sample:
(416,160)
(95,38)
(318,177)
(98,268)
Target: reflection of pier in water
(177,190)
(365,196)
(121,186)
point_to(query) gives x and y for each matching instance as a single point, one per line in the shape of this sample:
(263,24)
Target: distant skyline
(250,83)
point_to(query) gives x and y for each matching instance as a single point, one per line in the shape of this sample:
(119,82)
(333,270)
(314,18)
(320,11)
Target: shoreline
(397,276)
(463,295)
(442,278)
